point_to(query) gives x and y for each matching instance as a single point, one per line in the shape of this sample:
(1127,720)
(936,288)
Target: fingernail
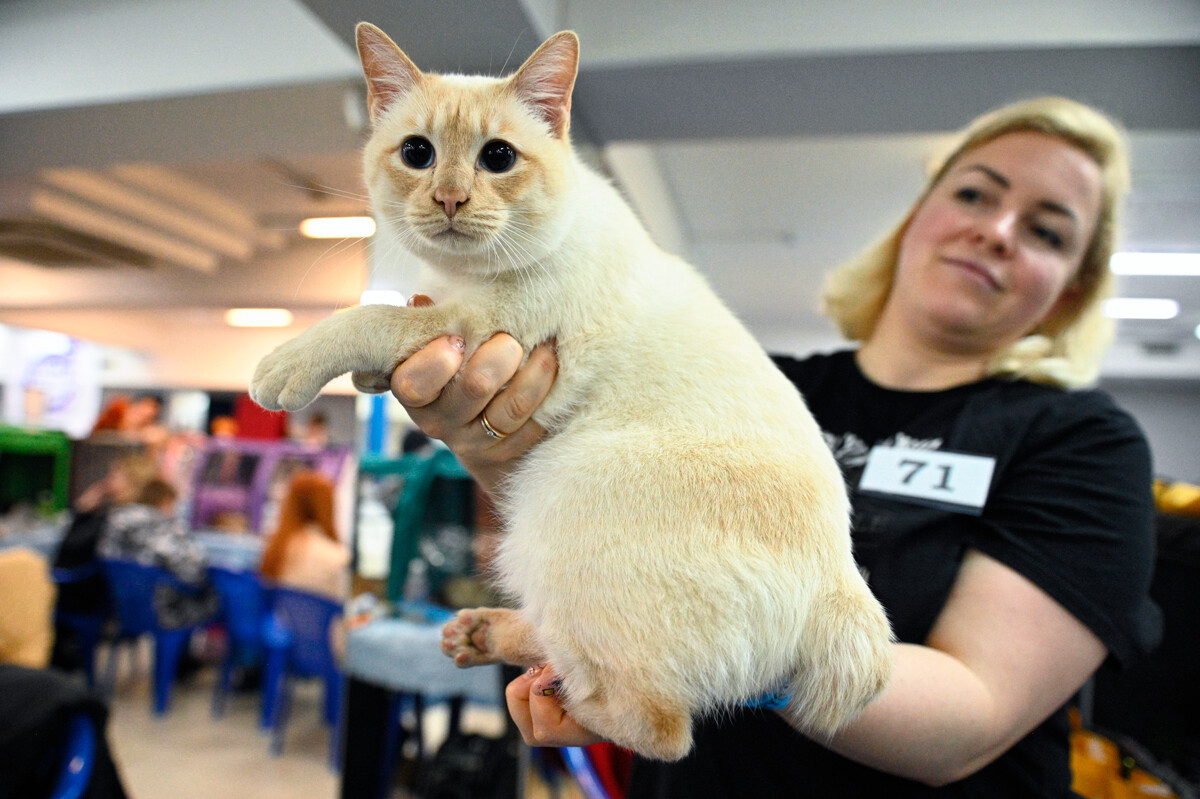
(534,670)
(458,343)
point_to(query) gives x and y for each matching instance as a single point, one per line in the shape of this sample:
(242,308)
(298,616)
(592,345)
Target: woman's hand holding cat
(534,707)
(446,398)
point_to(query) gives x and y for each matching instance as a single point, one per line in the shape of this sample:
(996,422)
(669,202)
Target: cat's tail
(846,659)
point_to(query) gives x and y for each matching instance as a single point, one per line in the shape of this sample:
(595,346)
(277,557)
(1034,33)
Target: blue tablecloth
(402,655)
(233,551)
(43,539)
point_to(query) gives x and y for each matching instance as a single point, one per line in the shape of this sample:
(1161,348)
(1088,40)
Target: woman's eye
(417,152)
(968,195)
(1049,236)
(497,156)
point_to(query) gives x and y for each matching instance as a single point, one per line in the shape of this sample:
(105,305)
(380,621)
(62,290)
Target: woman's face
(997,242)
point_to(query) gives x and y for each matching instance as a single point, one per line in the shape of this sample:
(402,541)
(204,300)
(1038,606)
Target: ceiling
(766,145)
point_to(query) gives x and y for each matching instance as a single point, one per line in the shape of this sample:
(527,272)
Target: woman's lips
(975,268)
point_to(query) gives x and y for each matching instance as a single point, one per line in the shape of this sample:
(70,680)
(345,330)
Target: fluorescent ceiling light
(382,297)
(1140,308)
(258,317)
(338,227)
(1171,264)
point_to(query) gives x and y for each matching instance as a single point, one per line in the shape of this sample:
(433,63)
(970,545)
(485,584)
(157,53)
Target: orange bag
(1101,769)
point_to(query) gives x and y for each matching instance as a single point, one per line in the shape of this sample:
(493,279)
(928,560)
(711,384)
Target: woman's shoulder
(318,545)
(1038,423)
(1050,407)
(818,368)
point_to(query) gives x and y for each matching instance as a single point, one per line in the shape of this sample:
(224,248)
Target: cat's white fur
(679,542)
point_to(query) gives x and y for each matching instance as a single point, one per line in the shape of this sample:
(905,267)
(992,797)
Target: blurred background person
(149,532)
(26,608)
(305,551)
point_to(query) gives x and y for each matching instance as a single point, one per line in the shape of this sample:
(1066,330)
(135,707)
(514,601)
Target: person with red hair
(305,551)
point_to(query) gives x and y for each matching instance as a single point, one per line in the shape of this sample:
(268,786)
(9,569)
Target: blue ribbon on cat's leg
(771,700)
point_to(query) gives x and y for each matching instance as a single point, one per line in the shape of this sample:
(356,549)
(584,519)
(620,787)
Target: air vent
(48,244)
(135,216)
(1160,348)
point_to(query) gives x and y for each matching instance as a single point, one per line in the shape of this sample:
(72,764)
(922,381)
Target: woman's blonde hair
(1065,349)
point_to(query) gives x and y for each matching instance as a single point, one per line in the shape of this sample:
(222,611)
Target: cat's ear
(389,72)
(544,82)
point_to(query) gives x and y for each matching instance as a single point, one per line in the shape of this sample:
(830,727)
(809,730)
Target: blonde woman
(1002,514)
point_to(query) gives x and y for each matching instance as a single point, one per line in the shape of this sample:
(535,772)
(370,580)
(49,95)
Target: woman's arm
(445,398)
(1000,659)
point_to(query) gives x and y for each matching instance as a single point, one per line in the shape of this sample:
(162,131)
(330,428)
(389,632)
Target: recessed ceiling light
(338,227)
(258,317)
(1170,264)
(1140,308)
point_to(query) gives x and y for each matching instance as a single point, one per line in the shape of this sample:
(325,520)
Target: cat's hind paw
(466,639)
(480,636)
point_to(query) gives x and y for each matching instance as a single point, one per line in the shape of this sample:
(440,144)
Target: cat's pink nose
(450,199)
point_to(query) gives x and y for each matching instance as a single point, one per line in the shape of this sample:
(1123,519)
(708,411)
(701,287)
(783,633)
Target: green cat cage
(431,489)
(35,468)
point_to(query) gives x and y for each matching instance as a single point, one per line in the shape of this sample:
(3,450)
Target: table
(42,538)
(385,660)
(237,552)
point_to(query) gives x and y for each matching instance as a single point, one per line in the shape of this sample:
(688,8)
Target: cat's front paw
(289,378)
(371,382)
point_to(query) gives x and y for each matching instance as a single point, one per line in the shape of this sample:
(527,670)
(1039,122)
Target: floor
(187,754)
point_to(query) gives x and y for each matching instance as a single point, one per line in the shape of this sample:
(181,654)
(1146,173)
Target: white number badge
(930,477)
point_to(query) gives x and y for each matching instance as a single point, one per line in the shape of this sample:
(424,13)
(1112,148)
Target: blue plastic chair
(79,757)
(131,586)
(243,611)
(297,644)
(88,627)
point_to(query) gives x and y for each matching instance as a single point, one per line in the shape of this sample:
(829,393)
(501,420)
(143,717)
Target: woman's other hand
(533,704)
(447,399)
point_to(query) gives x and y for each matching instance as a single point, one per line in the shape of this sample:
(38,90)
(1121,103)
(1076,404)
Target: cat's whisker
(336,248)
(335,192)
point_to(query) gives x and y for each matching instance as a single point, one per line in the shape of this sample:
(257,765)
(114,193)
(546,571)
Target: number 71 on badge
(936,477)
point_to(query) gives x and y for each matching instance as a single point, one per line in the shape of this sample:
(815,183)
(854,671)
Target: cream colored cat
(679,542)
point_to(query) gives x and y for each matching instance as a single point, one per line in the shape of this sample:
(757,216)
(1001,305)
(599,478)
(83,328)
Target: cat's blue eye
(497,156)
(417,152)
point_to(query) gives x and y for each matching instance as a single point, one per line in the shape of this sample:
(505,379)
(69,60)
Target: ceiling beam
(818,95)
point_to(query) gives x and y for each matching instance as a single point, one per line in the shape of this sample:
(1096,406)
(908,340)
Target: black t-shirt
(1068,506)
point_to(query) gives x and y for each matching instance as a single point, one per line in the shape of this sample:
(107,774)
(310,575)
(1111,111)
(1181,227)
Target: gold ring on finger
(491,431)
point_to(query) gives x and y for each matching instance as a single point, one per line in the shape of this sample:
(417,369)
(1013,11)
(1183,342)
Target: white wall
(1169,412)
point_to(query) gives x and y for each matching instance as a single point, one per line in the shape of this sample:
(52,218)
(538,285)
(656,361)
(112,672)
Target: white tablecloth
(407,656)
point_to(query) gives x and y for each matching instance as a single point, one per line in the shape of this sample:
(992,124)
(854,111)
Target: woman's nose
(998,229)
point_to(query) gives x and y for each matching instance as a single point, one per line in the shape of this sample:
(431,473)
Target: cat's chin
(462,254)
(455,243)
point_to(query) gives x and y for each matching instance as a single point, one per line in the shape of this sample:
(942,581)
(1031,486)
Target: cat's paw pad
(466,639)
(287,379)
(371,382)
